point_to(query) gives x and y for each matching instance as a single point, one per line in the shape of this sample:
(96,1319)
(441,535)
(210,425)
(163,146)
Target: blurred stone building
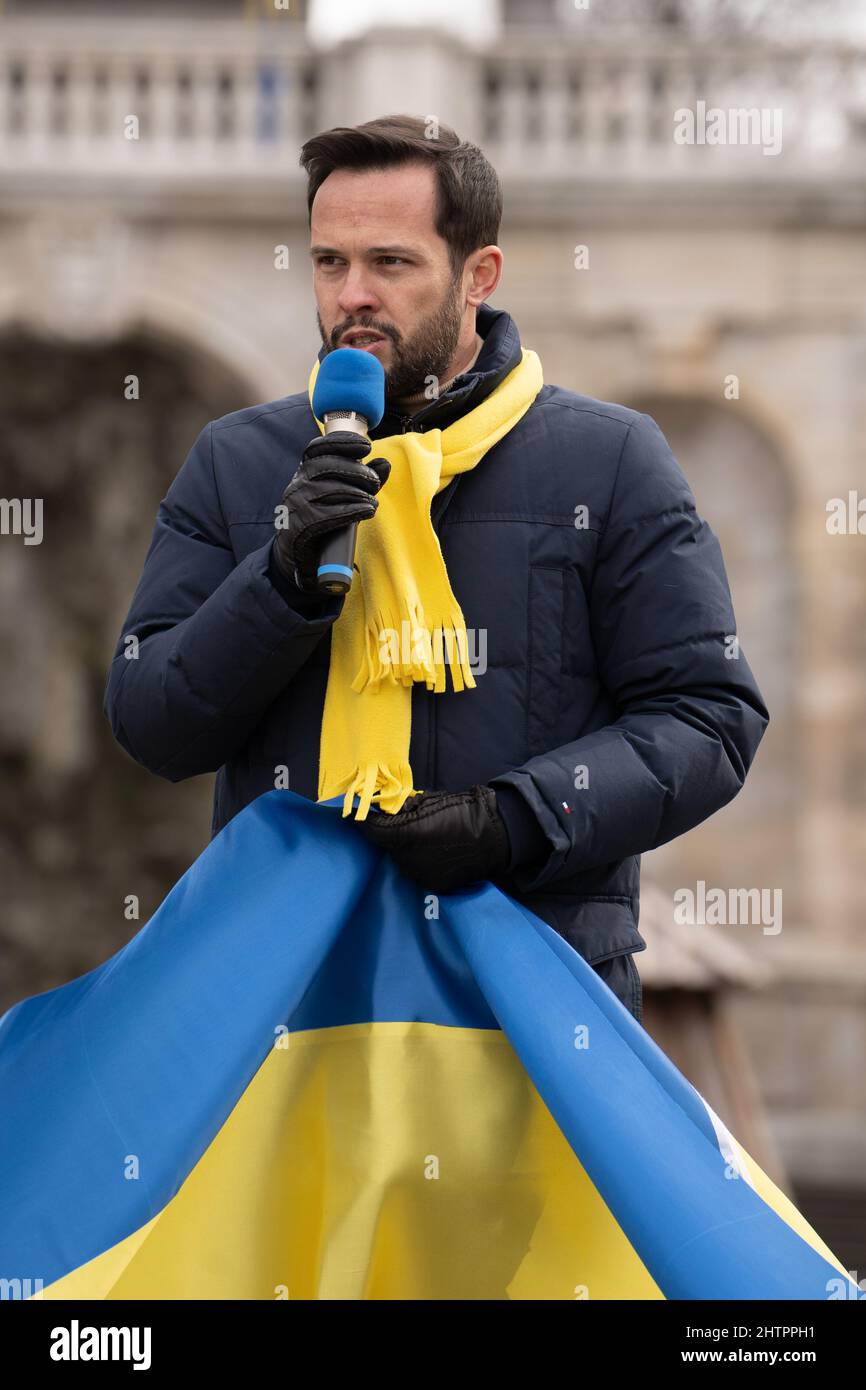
(719,287)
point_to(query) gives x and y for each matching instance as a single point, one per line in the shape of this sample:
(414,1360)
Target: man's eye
(322,260)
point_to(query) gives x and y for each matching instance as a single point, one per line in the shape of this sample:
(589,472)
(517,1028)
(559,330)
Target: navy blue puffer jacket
(613,713)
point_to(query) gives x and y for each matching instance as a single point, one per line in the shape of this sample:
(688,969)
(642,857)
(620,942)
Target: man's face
(378,263)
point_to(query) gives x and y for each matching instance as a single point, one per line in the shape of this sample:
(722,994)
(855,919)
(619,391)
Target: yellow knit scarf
(401,610)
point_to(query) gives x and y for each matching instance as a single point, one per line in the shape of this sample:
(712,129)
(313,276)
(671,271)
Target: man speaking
(613,709)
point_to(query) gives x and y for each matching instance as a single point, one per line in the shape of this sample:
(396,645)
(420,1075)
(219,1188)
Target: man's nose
(356,295)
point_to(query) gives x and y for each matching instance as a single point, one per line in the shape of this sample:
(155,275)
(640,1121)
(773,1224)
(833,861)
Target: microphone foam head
(349,379)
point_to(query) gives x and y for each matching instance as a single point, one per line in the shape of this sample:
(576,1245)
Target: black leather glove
(443,840)
(330,489)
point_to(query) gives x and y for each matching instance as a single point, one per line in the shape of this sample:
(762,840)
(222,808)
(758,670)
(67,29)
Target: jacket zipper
(406,421)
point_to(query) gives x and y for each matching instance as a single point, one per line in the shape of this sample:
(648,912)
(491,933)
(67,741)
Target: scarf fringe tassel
(389,788)
(407,652)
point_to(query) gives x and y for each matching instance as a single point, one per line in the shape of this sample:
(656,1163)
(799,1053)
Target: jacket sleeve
(208,643)
(690,713)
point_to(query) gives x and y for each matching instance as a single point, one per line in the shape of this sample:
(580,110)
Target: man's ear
(486,272)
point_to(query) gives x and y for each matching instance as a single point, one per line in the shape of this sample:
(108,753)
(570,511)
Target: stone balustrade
(181,99)
(225,97)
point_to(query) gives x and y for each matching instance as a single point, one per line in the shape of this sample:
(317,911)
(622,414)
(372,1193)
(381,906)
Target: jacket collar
(500,354)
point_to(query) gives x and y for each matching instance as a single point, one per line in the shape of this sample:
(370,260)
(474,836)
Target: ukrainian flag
(305,1078)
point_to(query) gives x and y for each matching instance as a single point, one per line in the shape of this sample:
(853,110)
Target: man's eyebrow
(371,251)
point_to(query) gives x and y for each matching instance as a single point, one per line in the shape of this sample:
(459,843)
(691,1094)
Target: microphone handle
(334,574)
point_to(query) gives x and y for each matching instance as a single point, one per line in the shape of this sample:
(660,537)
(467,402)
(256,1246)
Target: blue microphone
(349,394)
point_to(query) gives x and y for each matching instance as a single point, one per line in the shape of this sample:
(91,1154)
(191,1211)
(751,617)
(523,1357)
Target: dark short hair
(468,197)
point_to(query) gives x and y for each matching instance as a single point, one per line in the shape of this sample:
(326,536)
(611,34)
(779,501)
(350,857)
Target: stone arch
(83,825)
(163,314)
(103,282)
(745,488)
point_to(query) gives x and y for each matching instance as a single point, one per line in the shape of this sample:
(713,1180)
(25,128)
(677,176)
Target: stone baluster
(203,145)
(554,151)
(513,115)
(245,108)
(36,99)
(79,110)
(163,109)
(123,102)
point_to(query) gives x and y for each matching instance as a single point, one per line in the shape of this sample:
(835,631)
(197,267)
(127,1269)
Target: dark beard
(428,353)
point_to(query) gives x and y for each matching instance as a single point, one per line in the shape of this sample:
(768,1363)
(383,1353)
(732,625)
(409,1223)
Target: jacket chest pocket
(545,617)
